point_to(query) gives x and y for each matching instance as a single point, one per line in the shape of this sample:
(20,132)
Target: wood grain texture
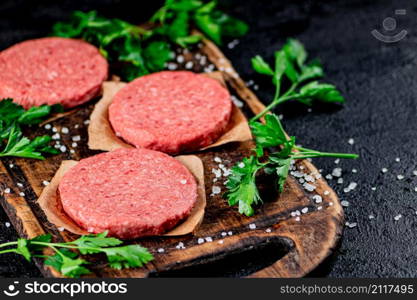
(306,242)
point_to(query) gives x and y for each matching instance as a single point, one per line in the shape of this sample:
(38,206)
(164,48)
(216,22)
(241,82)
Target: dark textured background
(379,81)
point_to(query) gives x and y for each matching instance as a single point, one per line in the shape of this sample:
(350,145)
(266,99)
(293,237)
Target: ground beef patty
(129,192)
(171,111)
(50,71)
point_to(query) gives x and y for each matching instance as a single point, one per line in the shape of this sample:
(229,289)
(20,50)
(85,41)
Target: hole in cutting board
(238,263)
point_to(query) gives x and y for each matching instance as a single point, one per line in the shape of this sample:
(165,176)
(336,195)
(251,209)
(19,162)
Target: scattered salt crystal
(351,141)
(11,165)
(48,126)
(7,224)
(384,170)
(22,194)
(320,208)
(61,228)
(415,189)
(217,172)
(340,181)
(45,182)
(217,159)
(200,241)
(397,217)
(208,239)
(329,177)
(76,138)
(230,233)
(330,203)
(293,214)
(400,177)
(172,66)
(241,165)
(309,178)
(326,193)
(304,210)
(373,188)
(180,59)
(65,130)
(352,185)
(352,225)
(180,245)
(317,198)
(337,161)
(224,233)
(221,242)
(337,172)
(72,151)
(54,129)
(345,203)
(252,226)
(74,145)
(20,184)
(297,219)
(76,126)
(161,250)
(268,230)
(236,101)
(415,173)
(309,187)
(371,217)
(86,122)
(63,148)
(189,65)
(354,171)
(216,190)
(183,181)
(7,191)
(397,159)
(56,136)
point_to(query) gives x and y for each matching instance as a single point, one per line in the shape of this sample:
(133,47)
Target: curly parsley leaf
(130,256)
(241,185)
(69,262)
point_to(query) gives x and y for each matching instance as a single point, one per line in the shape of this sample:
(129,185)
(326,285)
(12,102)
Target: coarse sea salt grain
(241,165)
(371,217)
(216,190)
(415,172)
(337,172)
(384,170)
(11,165)
(217,159)
(63,148)
(161,250)
(252,226)
(180,245)
(22,194)
(76,138)
(317,198)
(48,126)
(337,161)
(208,239)
(344,203)
(183,181)
(326,193)
(223,233)
(45,182)
(74,145)
(268,230)
(309,187)
(61,228)
(7,224)
(340,181)
(400,177)
(351,141)
(320,208)
(354,171)
(200,241)
(64,130)
(304,210)
(297,219)
(54,129)
(397,159)
(230,232)
(397,217)
(20,184)
(180,59)
(189,65)
(7,190)
(220,242)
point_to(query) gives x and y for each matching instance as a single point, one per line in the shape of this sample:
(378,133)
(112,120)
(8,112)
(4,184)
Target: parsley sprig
(275,153)
(134,51)
(12,141)
(291,66)
(69,263)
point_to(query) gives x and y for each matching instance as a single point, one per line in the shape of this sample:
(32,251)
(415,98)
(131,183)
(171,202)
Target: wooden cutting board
(281,245)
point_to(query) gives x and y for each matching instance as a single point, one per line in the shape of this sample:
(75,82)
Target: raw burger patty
(50,71)
(129,192)
(171,111)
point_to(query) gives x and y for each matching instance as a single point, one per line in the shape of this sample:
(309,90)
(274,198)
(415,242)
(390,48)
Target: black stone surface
(379,81)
